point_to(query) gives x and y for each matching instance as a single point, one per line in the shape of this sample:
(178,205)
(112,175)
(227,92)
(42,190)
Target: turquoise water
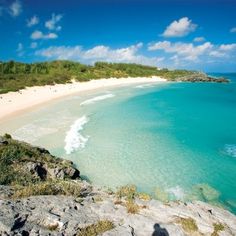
(174,140)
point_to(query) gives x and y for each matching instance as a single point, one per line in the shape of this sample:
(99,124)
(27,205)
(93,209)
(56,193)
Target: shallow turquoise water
(174,140)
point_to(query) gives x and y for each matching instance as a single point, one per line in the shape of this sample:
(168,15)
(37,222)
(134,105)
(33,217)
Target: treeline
(16,75)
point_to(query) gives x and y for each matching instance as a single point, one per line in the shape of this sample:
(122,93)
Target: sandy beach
(15,102)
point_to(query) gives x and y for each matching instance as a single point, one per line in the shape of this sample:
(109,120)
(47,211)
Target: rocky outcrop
(201,77)
(79,208)
(64,215)
(46,171)
(26,163)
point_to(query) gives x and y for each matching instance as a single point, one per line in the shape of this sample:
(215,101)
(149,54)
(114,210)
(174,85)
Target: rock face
(201,77)
(83,208)
(31,163)
(45,171)
(63,215)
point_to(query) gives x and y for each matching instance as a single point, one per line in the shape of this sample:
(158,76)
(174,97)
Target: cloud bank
(99,53)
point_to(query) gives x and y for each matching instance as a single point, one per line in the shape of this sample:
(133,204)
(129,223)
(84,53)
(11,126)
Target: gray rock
(3,141)
(63,215)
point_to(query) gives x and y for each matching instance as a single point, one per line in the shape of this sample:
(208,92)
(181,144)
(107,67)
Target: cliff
(44,195)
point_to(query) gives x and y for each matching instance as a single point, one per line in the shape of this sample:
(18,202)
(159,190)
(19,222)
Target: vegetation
(96,229)
(188,224)
(217,228)
(144,196)
(128,193)
(54,187)
(16,75)
(132,207)
(13,157)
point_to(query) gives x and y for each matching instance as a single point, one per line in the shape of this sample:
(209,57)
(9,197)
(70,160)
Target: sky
(189,34)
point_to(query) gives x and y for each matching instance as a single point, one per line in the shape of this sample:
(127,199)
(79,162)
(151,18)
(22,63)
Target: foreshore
(15,102)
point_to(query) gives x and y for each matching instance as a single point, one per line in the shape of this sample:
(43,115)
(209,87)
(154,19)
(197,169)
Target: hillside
(16,75)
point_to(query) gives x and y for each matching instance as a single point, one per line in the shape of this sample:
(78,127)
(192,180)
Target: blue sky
(191,34)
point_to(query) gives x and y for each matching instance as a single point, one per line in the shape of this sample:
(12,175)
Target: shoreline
(13,103)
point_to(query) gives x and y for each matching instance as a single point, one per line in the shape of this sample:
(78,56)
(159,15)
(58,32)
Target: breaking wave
(98,98)
(74,139)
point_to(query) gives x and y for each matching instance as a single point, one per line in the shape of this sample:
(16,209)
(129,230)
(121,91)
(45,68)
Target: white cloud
(180,28)
(100,53)
(39,35)
(233,30)
(33,45)
(52,23)
(228,47)
(32,21)
(187,51)
(15,8)
(61,52)
(20,49)
(217,53)
(199,39)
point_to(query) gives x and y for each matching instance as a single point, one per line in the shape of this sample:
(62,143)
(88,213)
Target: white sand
(14,102)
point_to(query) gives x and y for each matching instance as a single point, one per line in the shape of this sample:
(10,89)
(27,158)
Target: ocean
(175,141)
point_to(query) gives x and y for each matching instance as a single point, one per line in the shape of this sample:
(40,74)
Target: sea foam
(74,139)
(98,98)
(32,132)
(177,192)
(144,86)
(230,149)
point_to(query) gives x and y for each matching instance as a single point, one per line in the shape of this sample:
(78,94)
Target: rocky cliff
(51,199)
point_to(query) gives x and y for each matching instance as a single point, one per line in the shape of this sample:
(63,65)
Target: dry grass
(129,192)
(52,227)
(144,196)
(132,207)
(95,229)
(217,228)
(188,224)
(118,202)
(48,188)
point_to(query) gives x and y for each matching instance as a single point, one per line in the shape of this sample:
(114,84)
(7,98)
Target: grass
(14,155)
(129,192)
(188,224)
(52,227)
(96,229)
(48,188)
(144,196)
(132,207)
(217,228)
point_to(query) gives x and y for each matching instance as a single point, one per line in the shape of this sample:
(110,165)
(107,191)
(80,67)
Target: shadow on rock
(158,231)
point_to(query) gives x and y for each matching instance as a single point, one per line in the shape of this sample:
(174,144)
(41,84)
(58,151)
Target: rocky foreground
(58,202)
(201,77)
